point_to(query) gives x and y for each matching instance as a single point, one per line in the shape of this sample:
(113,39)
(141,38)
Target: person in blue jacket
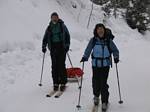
(57,38)
(101,46)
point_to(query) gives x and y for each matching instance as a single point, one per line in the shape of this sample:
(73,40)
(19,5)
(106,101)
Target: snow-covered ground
(22,27)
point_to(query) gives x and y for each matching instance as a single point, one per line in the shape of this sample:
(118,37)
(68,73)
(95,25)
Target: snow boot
(55,87)
(96,100)
(62,87)
(104,106)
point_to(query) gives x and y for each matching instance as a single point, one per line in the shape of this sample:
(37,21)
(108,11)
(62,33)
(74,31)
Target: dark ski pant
(99,83)
(58,58)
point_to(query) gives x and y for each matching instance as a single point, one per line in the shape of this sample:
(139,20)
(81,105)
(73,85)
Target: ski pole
(72,67)
(79,106)
(120,100)
(40,84)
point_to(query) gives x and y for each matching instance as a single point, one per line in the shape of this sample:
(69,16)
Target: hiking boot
(62,87)
(96,100)
(104,106)
(55,87)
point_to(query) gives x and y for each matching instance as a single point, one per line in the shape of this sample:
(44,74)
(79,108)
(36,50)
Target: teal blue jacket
(47,39)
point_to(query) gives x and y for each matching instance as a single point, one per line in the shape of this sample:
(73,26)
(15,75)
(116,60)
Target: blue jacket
(101,52)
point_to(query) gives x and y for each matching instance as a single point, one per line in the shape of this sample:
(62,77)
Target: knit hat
(100,25)
(54,14)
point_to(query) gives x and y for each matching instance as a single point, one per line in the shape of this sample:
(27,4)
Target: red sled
(74,72)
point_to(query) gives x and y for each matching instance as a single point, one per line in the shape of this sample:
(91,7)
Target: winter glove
(67,49)
(84,59)
(44,50)
(116,60)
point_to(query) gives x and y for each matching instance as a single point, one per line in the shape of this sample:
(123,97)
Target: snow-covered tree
(99,2)
(137,15)
(136,12)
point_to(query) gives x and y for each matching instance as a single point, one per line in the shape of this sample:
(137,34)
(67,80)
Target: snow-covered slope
(22,27)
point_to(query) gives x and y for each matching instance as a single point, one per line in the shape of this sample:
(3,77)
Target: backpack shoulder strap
(108,44)
(49,27)
(94,41)
(61,26)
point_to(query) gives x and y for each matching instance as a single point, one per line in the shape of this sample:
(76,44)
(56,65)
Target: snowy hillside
(23,23)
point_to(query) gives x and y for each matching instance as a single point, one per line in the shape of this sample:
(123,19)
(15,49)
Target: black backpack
(109,34)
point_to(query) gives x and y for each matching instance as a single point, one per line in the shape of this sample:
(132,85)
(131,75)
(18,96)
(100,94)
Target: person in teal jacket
(57,38)
(101,46)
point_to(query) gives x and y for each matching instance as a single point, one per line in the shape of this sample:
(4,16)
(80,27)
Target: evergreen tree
(137,15)
(137,12)
(99,2)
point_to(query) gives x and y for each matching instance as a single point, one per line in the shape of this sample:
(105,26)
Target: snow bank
(22,26)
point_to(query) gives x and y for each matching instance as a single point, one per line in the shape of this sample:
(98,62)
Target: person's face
(100,32)
(54,19)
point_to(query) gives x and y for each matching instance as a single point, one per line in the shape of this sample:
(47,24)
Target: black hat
(100,25)
(54,14)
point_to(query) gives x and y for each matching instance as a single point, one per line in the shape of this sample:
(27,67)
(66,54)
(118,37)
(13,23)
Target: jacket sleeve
(114,49)
(88,49)
(67,36)
(45,39)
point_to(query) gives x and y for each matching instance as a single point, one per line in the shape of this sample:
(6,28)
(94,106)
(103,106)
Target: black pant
(99,83)
(58,58)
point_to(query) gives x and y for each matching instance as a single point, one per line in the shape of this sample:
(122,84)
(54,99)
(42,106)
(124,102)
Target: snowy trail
(23,93)
(20,64)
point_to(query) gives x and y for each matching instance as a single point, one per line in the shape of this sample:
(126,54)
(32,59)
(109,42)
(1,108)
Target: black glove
(116,60)
(67,49)
(44,49)
(84,59)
